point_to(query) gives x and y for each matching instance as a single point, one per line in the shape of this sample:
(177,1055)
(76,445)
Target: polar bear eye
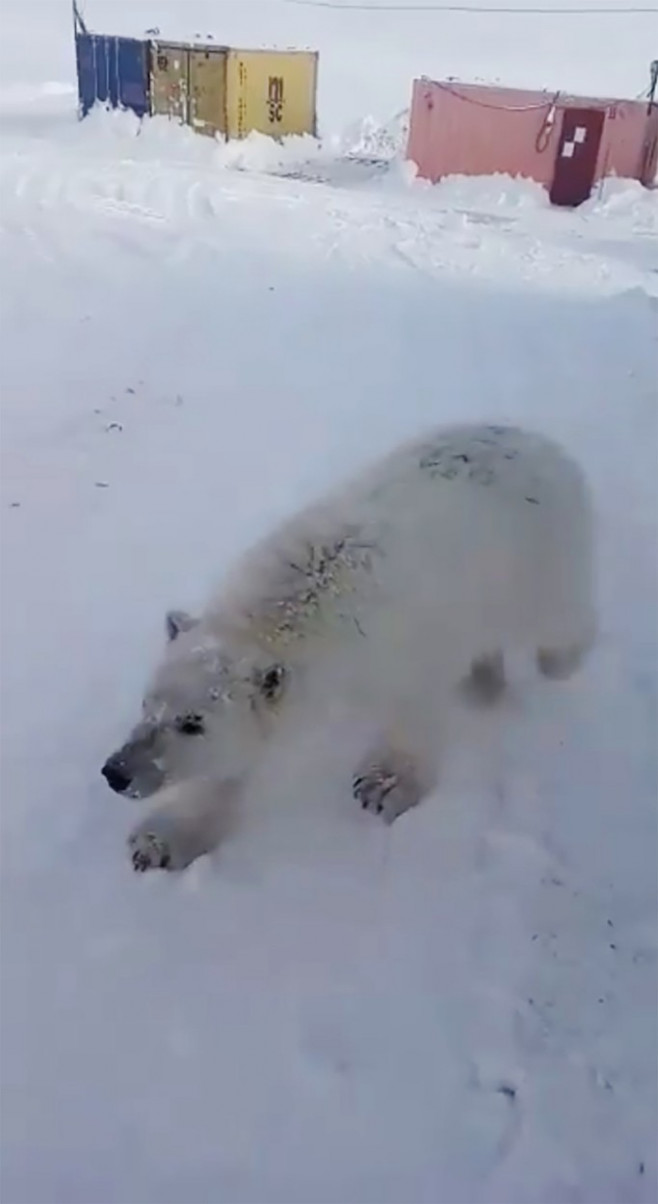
(271,682)
(189,725)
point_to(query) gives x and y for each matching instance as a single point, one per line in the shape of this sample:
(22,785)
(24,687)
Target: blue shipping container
(113,71)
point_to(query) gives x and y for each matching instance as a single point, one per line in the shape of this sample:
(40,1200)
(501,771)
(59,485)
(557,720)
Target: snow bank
(107,129)
(370,139)
(627,200)
(19,96)
(491,192)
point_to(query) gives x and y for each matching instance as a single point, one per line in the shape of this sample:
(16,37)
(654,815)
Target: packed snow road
(460,1008)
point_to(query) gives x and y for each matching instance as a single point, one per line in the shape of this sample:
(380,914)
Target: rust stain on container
(170,79)
(207,89)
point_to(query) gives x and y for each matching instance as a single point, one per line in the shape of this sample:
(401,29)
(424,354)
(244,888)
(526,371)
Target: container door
(86,65)
(170,79)
(272,92)
(577,154)
(132,75)
(208,90)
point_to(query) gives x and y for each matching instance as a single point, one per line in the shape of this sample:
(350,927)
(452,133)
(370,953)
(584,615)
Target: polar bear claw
(149,852)
(387,788)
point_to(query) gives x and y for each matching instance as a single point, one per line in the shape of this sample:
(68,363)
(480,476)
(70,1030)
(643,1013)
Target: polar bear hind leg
(567,634)
(558,664)
(486,681)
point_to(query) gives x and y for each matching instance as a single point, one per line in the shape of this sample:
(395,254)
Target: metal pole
(653,83)
(78,22)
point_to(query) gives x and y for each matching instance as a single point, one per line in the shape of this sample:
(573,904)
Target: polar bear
(400,590)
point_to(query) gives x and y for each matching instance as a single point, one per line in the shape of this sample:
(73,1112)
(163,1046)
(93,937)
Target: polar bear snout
(116,774)
(134,770)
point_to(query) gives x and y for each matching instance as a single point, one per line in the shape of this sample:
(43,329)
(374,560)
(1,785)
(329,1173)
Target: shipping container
(170,79)
(568,144)
(112,71)
(207,89)
(272,91)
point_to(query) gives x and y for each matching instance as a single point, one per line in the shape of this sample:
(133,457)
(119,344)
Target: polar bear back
(473,537)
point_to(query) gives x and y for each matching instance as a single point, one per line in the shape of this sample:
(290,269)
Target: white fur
(457,548)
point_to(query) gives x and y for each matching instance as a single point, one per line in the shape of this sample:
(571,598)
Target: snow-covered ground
(461,1008)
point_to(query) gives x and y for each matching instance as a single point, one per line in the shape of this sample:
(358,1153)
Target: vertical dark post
(78,21)
(653,84)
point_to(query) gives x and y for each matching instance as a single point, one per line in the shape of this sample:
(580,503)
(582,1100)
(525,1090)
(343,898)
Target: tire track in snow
(165,216)
(206,203)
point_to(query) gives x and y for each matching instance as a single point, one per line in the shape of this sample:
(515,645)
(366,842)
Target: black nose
(116,776)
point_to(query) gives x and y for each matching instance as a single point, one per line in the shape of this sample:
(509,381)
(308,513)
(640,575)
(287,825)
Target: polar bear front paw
(149,852)
(388,789)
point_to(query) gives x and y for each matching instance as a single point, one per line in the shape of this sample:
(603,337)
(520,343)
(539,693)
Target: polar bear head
(207,708)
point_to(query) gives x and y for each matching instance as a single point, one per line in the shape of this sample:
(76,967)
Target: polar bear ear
(177,621)
(271,682)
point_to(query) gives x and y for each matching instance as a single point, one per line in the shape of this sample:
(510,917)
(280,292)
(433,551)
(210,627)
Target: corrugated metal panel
(86,67)
(170,78)
(272,91)
(112,71)
(207,109)
(102,69)
(132,74)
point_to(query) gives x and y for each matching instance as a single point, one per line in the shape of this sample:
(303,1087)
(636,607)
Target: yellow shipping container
(170,79)
(217,90)
(272,91)
(207,89)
